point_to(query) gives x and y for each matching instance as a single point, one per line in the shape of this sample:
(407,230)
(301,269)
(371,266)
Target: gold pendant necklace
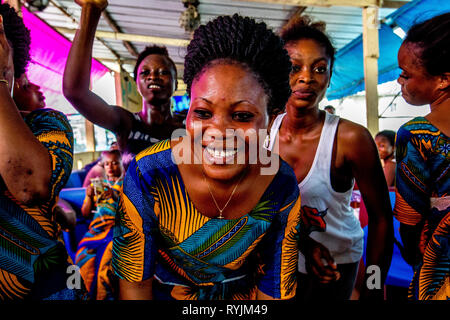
(229,199)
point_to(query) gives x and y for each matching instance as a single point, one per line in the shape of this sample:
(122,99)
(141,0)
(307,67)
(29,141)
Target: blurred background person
(94,250)
(385,141)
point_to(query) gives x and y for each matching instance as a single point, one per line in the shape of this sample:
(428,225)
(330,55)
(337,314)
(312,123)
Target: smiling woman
(213,227)
(156,79)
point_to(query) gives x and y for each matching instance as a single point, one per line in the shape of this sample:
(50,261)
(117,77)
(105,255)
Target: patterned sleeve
(134,249)
(280,250)
(53,130)
(412,180)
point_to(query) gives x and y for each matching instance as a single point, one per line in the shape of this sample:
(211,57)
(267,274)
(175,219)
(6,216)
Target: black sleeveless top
(142,136)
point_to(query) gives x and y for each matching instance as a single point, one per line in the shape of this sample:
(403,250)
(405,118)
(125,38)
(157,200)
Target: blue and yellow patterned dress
(159,233)
(423,199)
(94,250)
(33,262)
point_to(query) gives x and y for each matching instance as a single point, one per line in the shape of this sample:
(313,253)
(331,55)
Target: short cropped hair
(433,37)
(154,49)
(19,37)
(244,41)
(388,134)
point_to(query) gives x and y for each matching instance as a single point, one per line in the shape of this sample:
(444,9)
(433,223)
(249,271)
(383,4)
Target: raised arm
(25,164)
(78,69)
(362,154)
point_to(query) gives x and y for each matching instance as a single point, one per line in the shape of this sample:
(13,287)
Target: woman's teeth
(220,153)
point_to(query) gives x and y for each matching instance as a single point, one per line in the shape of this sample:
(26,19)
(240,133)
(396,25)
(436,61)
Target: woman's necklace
(229,199)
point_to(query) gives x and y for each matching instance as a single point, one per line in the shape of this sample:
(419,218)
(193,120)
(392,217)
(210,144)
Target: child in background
(94,250)
(385,141)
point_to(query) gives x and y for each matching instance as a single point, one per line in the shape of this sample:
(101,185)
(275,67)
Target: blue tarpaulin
(348,70)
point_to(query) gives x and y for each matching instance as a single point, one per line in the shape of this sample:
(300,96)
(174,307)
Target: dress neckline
(265,194)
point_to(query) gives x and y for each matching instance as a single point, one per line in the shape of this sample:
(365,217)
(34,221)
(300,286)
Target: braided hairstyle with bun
(241,40)
(18,37)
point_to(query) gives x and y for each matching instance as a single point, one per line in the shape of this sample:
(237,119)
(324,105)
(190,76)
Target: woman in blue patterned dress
(94,250)
(194,221)
(423,159)
(36,148)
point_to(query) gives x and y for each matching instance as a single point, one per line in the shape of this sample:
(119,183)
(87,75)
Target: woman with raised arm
(36,149)
(422,203)
(197,218)
(328,154)
(156,79)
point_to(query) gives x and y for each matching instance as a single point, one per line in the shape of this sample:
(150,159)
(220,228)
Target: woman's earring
(267,141)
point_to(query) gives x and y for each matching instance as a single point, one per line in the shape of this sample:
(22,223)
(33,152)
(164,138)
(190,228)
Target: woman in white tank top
(328,154)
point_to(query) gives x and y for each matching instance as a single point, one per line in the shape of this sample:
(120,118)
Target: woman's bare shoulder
(351,132)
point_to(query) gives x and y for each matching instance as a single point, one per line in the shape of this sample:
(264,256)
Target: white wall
(354,107)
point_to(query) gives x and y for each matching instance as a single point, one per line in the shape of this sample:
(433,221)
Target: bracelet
(5,81)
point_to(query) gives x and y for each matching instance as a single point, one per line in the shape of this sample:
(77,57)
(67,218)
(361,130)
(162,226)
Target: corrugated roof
(161,19)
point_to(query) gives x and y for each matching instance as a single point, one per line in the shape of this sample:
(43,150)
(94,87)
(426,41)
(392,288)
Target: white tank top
(335,223)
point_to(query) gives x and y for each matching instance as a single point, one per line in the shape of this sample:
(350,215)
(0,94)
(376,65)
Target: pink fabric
(49,51)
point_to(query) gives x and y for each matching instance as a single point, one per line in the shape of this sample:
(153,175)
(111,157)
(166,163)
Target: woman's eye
(404,76)
(243,116)
(320,69)
(202,114)
(144,72)
(295,68)
(164,72)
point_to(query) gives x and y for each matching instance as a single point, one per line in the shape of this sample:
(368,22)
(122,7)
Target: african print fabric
(422,198)
(159,233)
(94,250)
(33,261)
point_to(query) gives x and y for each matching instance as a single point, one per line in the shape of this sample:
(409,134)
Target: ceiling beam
(132,37)
(113,25)
(67,14)
(342,3)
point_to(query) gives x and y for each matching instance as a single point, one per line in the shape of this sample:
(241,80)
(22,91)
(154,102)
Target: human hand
(90,191)
(319,262)
(100,4)
(6,57)
(107,193)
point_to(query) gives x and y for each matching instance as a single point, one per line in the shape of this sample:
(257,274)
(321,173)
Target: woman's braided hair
(18,36)
(241,40)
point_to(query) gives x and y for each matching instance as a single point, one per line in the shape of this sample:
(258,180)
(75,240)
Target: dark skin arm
(26,171)
(88,204)
(135,290)
(77,72)
(389,173)
(314,252)
(362,157)
(411,237)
